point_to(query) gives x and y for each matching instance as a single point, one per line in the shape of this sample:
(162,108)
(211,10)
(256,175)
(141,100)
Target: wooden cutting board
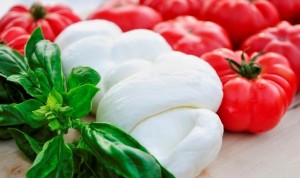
(275,154)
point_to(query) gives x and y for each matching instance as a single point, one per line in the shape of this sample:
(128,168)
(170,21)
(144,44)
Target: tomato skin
(55,19)
(15,38)
(283,39)
(172,9)
(127,14)
(256,15)
(191,36)
(253,105)
(289,10)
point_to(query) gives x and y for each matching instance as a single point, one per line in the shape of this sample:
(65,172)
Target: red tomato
(191,36)
(289,10)
(256,92)
(52,19)
(127,14)
(240,18)
(171,9)
(283,39)
(15,38)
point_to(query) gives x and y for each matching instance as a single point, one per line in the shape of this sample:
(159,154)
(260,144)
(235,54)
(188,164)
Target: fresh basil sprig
(52,106)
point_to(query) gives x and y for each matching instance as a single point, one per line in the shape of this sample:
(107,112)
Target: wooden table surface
(275,154)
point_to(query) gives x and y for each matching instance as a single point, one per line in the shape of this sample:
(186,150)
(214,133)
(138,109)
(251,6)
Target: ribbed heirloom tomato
(191,36)
(283,39)
(170,9)
(257,90)
(15,38)
(52,19)
(240,18)
(289,10)
(127,14)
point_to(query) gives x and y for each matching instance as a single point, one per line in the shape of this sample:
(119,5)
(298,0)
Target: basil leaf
(82,163)
(25,112)
(42,134)
(11,92)
(55,160)
(42,68)
(35,37)
(4,95)
(80,99)
(127,161)
(83,75)
(46,58)
(10,116)
(88,166)
(4,130)
(11,61)
(45,71)
(115,134)
(28,145)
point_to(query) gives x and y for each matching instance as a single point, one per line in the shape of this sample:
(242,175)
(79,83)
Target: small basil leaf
(55,160)
(83,75)
(80,99)
(54,125)
(35,37)
(11,62)
(28,145)
(125,160)
(54,98)
(26,112)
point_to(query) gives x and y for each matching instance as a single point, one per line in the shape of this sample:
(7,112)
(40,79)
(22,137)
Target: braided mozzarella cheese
(169,107)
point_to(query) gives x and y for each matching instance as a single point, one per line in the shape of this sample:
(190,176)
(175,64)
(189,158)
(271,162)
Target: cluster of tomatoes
(254,46)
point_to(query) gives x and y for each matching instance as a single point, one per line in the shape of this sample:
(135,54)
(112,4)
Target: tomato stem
(250,69)
(37,11)
(2,42)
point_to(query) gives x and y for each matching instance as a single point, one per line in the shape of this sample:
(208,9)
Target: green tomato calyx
(249,70)
(37,11)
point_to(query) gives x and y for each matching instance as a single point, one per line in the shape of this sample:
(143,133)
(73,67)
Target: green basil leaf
(80,99)
(83,75)
(46,60)
(28,145)
(4,95)
(43,68)
(26,112)
(11,61)
(55,160)
(125,160)
(116,134)
(42,134)
(11,92)
(4,130)
(31,85)
(88,166)
(35,37)
(10,116)
(54,98)
(82,163)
